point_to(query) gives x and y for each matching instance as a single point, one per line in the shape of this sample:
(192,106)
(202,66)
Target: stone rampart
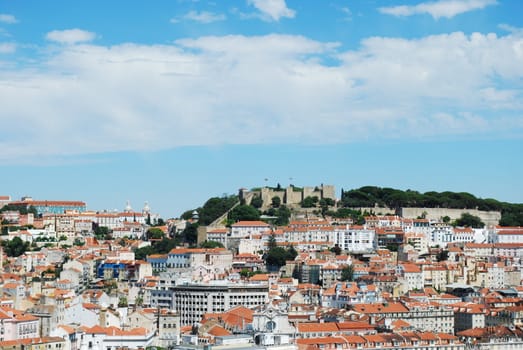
(488,217)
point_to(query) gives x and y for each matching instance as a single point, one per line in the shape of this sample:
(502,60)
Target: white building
(412,277)
(244,229)
(442,234)
(355,238)
(103,338)
(192,301)
(507,235)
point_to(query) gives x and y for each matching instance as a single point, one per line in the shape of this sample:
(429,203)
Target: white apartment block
(218,235)
(245,229)
(464,235)
(507,235)
(192,301)
(495,276)
(441,235)
(412,277)
(355,238)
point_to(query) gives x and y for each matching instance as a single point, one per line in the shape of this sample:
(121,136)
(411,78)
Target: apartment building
(192,301)
(426,316)
(244,229)
(355,238)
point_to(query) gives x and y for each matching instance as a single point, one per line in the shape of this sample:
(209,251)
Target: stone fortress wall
(490,218)
(289,196)
(292,197)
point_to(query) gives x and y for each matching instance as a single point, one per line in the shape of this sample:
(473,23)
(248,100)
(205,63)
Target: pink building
(17,325)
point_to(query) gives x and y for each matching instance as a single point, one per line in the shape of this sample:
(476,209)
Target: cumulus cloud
(272,10)
(438,9)
(7,47)
(9,19)
(202,17)
(70,36)
(263,89)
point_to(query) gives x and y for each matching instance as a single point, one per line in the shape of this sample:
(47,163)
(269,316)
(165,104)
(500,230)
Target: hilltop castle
(289,196)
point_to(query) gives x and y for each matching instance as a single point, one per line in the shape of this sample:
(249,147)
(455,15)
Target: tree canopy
(155,233)
(163,246)
(211,244)
(309,202)
(21,208)
(278,256)
(469,220)
(15,247)
(347,274)
(369,196)
(212,209)
(244,212)
(257,202)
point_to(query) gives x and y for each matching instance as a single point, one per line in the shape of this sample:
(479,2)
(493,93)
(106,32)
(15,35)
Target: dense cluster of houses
(389,283)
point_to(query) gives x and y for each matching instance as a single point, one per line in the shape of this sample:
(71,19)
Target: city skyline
(173,102)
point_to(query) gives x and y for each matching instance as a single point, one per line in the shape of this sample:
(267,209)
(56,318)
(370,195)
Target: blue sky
(175,101)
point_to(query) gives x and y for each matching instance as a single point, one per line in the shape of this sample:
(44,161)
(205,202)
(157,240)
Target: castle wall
(288,196)
(267,194)
(293,197)
(488,217)
(329,191)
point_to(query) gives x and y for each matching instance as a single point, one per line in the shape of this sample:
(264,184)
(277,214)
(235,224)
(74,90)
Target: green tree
(122,301)
(141,253)
(443,255)
(469,220)
(296,273)
(21,208)
(257,202)
(190,233)
(276,257)
(347,273)
(272,242)
(15,247)
(336,249)
(326,202)
(245,273)
(211,244)
(283,213)
(155,233)
(309,202)
(275,202)
(101,232)
(215,207)
(187,214)
(78,242)
(244,212)
(291,253)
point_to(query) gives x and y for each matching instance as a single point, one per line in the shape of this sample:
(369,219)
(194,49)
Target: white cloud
(511,29)
(265,89)
(9,19)
(346,11)
(7,48)
(272,10)
(438,9)
(204,16)
(70,36)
